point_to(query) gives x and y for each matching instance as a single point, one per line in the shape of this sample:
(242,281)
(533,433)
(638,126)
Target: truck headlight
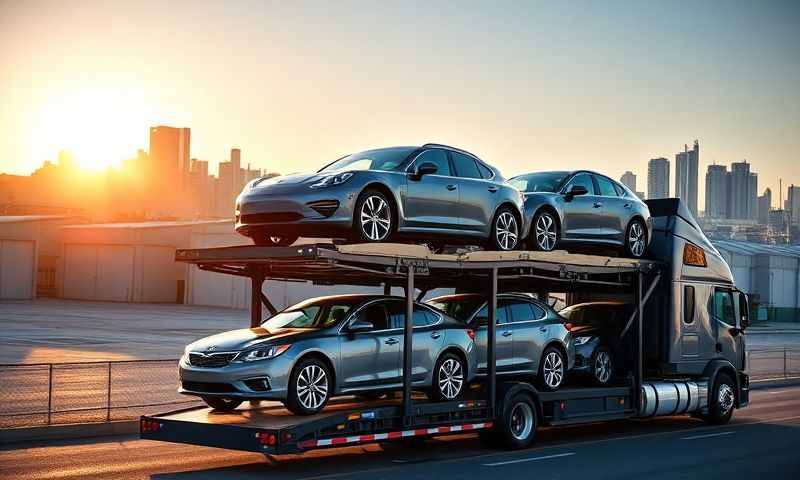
(337,179)
(581,340)
(261,353)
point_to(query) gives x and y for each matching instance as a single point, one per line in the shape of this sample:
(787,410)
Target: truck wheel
(602,366)
(309,387)
(552,369)
(720,405)
(448,378)
(517,428)
(222,404)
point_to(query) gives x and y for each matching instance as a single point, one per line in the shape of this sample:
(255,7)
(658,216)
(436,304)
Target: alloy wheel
(312,387)
(636,239)
(546,234)
(725,398)
(602,366)
(376,218)
(451,378)
(521,421)
(553,370)
(506,231)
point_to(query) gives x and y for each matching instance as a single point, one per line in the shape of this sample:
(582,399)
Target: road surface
(762,441)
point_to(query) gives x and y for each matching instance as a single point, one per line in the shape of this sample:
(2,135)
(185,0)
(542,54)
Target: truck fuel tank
(673,398)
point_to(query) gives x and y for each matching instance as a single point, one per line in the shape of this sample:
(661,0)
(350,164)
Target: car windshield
(539,182)
(313,314)
(379,159)
(459,307)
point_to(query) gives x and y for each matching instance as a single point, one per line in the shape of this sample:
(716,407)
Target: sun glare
(100,127)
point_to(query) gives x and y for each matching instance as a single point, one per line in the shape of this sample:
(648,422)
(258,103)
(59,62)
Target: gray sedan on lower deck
(345,344)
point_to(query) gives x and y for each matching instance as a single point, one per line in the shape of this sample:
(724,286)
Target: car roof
(464,296)
(605,303)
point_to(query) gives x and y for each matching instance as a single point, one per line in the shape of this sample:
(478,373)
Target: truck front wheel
(720,405)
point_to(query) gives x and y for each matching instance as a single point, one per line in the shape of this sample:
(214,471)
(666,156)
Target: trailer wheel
(222,404)
(309,387)
(517,427)
(720,405)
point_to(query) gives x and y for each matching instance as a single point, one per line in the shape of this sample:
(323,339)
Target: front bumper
(262,379)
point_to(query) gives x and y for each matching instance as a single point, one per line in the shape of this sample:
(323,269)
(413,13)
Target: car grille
(208,387)
(274,217)
(211,360)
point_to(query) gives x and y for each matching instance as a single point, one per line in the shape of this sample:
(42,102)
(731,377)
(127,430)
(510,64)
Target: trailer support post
(387,288)
(639,342)
(408,330)
(257,282)
(491,344)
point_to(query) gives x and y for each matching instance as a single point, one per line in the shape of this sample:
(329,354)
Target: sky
(526,86)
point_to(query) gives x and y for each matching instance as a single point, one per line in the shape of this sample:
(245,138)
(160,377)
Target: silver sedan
(327,346)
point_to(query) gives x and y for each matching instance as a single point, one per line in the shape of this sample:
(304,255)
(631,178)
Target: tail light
(266,438)
(568,326)
(471,334)
(149,425)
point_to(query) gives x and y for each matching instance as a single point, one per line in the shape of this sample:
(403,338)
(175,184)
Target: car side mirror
(576,190)
(360,326)
(427,168)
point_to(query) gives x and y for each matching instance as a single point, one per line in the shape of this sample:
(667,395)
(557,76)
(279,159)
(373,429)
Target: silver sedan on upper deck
(433,193)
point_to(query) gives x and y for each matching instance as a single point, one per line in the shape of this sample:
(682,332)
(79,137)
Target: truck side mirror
(744,311)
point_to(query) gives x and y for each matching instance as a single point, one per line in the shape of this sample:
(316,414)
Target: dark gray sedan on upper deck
(583,207)
(433,193)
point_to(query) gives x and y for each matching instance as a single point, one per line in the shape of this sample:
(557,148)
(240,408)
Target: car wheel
(373,219)
(309,387)
(448,378)
(602,366)
(275,240)
(635,239)
(222,404)
(721,403)
(552,369)
(505,230)
(545,231)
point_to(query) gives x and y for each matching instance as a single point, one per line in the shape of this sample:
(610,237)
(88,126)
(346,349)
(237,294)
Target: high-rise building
(629,180)
(717,191)
(743,188)
(792,205)
(686,164)
(658,178)
(764,206)
(169,155)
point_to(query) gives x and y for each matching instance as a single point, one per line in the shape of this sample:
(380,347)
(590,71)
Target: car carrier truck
(688,328)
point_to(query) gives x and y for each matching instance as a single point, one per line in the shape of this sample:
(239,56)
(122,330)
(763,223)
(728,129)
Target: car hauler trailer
(667,381)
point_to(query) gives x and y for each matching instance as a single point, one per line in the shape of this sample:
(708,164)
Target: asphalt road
(761,441)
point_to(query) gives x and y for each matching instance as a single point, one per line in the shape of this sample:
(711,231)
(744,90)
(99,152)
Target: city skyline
(267,78)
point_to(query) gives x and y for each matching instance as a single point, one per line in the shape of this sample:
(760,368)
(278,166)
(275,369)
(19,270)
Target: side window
(482,317)
(466,167)
(485,171)
(376,315)
(520,311)
(422,318)
(723,306)
(606,186)
(438,158)
(620,191)
(538,312)
(582,179)
(397,313)
(688,304)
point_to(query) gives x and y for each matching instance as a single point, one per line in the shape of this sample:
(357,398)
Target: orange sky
(527,86)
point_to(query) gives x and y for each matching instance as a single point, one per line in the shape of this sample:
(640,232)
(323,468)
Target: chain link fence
(59,393)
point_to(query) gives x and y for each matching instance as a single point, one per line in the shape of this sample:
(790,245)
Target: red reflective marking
(421,431)
(395,434)
(338,440)
(444,429)
(468,426)
(366,438)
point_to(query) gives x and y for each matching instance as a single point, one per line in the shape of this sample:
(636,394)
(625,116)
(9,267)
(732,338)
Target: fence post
(108,392)
(49,393)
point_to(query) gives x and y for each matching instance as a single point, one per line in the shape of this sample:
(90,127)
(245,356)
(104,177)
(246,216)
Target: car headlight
(261,353)
(581,340)
(337,179)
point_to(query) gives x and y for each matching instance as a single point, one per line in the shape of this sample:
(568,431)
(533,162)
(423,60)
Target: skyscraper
(686,164)
(658,178)
(792,205)
(743,188)
(717,191)
(169,155)
(764,206)
(629,180)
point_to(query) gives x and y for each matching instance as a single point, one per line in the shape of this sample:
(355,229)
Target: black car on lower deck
(600,354)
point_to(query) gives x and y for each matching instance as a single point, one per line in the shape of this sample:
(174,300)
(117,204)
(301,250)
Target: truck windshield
(539,182)
(314,315)
(379,159)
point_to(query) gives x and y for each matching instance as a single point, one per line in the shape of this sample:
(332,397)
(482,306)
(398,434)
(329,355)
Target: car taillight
(266,438)
(568,326)
(149,426)
(471,334)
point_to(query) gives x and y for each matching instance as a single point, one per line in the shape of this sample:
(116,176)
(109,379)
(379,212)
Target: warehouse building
(770,274)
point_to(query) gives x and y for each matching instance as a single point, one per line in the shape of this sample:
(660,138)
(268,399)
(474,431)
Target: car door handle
(451,187)
(492,189)
(508,333)
(392,341)
(627,205)
(597,205)
(542,329)
(436,334)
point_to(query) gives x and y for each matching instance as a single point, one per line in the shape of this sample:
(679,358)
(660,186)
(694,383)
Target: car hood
(246,338)
(584,330)
(292,179)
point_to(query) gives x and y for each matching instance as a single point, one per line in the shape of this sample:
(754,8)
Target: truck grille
(210,360)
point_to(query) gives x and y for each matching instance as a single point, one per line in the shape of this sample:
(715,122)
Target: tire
(722,401)
(602,366)
(449,378)
(544,235)
(274,241)
(516,428)
(373,218)
(552,369)
(310,386)
(505,230)
(222,404)
(636,239)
